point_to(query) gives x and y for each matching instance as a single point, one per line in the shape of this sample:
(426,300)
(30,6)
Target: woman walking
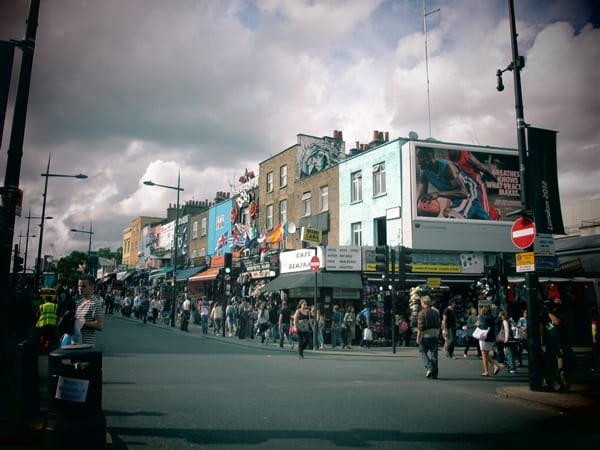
(302,322)
(486,322)
(471,341)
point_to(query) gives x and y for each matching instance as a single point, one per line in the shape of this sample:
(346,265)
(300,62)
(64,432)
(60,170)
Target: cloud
(136,90)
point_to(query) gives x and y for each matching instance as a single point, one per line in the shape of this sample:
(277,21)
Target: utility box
(75,417)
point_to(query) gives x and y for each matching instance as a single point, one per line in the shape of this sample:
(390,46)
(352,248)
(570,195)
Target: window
(203,251)
(283,176)
(270,182)
(269,218)
(195,230)
(324,198)
(220,222)
(306,203)
(356,188)
(203,227)
(356,230)
(378,179)
(283,211)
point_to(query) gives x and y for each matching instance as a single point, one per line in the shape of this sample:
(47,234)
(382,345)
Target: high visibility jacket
(48,314)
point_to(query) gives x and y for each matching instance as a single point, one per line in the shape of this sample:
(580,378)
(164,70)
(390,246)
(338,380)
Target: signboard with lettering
(298,260)
(311,235)
(343,258)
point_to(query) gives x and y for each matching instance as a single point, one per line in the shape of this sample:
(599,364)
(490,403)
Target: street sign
(522,232)
(315,264)
(525,262)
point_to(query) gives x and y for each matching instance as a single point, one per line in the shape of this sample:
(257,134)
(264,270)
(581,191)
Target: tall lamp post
(29,217)
(178,188)
(89,244)
(531,279)
(47,174)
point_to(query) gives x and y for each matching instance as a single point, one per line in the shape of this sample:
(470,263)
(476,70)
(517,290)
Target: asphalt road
(167,389)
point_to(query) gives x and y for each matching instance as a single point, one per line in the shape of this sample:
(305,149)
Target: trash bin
(75,417)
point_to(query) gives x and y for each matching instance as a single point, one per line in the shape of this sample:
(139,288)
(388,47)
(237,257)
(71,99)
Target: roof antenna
(425,14)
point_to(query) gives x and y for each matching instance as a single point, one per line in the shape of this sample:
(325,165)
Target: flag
(221,241)
(542,178)
(275,236)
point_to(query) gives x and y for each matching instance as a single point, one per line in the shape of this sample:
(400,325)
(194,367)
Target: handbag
(500,336)
(480,334)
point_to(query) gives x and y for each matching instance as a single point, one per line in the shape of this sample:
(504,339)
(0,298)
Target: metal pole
(38,262)
(315,324)
(393,287)
(175,243)
(90,249)
(26,244)
(10,193)
(531,279)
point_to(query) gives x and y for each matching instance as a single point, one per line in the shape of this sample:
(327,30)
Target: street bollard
(75,417)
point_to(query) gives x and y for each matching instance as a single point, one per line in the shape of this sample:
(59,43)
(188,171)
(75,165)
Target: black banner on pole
(542,177)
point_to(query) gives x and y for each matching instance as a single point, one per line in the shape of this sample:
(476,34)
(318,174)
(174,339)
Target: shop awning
(184,274)
(207,275)
(127,275)
(161,273)
(306,279)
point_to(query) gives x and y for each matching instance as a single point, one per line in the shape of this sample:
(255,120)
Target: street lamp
(178,188)
(47,174)
(29,217)
(89,245)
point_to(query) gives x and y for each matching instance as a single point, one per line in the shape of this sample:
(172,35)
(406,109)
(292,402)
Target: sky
(132,90)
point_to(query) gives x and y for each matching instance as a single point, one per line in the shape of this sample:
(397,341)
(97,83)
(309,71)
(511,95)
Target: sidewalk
(25,431)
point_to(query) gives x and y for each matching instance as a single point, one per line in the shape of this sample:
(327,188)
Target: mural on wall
(459,184)
(317,154)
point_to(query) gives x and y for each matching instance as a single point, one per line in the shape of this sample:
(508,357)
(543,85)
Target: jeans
(428,348)
(451,341)
(336,337)
(204,321)
(284,331)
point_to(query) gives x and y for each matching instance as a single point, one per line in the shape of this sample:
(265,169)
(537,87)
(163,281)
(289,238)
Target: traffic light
(18,267)
(405,259)
(227,263)
(382,260)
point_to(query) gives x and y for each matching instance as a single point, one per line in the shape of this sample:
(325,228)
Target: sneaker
(512,371)
(428,374)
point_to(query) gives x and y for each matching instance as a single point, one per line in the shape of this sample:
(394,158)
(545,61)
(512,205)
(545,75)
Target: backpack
(361,319)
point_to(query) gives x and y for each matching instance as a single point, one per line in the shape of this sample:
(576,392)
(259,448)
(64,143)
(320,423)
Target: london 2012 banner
(542,181)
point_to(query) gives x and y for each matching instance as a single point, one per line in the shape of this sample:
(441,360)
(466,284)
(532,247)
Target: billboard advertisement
(460,183)
(460,196)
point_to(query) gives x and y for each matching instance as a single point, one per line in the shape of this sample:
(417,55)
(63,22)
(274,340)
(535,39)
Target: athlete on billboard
(451,183)
(468,163)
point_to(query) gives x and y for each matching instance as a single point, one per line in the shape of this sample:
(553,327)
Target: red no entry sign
(315,264)
(522,232)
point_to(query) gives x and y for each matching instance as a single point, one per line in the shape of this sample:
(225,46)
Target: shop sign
(311,235)
(346,293)
(259,270)
(435,268)
(434,283)
(298,260)
(343,258)
(572,265)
